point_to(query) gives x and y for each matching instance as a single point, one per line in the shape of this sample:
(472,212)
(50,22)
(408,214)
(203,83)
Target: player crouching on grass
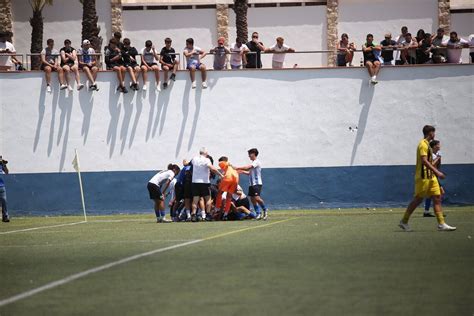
(426,182)
(157,187)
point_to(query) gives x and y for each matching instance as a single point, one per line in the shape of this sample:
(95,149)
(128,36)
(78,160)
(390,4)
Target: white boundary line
(41,227)
(79,275)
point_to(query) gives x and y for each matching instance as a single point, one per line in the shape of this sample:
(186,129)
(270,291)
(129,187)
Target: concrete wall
(299,120)
(61,20)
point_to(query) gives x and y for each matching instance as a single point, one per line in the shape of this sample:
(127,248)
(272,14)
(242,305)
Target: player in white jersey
(157,187)
(254,171)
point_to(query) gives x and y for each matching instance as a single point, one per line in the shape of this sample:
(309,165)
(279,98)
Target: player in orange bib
(228,184)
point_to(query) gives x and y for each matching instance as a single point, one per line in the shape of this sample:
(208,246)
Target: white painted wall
(303,28)
(179,25)
(61,20)
(357,18)
(463,24)
(297,118)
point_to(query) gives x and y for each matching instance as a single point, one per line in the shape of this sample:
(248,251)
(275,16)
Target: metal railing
(17,63)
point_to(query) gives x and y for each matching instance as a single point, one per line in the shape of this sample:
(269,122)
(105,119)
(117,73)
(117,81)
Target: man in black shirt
(168,61)
(388,45)
(129,54)
(255,47)
(114,61)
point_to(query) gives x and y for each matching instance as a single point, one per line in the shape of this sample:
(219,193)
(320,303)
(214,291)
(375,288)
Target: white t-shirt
(171,188)
(235,58)
(193,57)
(279,57)
(255,176)
(454,54)
(50,55)
(161,177)
(200,169)
(6,60)
(149,56)
(471,43)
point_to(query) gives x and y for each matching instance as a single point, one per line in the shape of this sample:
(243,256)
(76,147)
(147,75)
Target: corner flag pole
(75,164)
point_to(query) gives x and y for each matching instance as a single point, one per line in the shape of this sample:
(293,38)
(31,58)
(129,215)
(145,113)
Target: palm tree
(90,29)
(240,9)
(5,16)
(36,22)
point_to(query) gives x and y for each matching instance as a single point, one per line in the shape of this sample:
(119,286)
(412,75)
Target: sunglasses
(254,36)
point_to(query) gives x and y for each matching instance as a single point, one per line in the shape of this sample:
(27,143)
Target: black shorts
(155,192)
(178,192)
(188,189)
(255,190)
(68,64)
(201,189)
(243,202)
(149,65)
(133,65)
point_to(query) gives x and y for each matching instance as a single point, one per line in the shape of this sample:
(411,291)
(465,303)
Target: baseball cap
(85,42)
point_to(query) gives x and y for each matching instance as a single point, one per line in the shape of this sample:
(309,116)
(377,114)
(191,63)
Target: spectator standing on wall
(238,57)
(345,51)
(408,51)
(388,45)
(279,50)
(69,63)
(6,48)
(193,56)
(455,45)
(3,192)
(129,55)
(254,56)
(371,61)
(168,61)
(150,63)
(220,54)
(88,63)
(49,63)
(439,52)
(400,38)
(425,48)
(114,61)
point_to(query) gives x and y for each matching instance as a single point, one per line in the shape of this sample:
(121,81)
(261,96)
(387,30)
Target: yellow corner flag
(75,165)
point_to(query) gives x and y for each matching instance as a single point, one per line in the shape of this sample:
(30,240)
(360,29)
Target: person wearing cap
(220,54)
(168,61)
(279,52)
(69,63)
(238,56)
(388,46)
(193,56)
(88,63)
(150,63)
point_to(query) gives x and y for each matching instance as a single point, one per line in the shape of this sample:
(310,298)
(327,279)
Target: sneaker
(204,85)
(80,86)
(119,89)
(404,226)
(91,87)
(259,217)
(194,218)
(193,85)
(173,77)
(62,87)
(136,86)
(446,228)
(144,87)
(158,87)
(48,88)
(428,215)
(69,87)
(165,220)
(373,81)
(124,90)
(5,220)
(165,85)
(96,88)
(265,215)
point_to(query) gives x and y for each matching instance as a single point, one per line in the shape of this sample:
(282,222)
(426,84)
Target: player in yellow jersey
(426,182)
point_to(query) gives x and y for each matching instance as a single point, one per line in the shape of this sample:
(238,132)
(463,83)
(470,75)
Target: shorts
(133,65)
(169,65)
(341,60)
(214,190)
(150,65)
(372,60)
(235,66)
(82,66)
(425,188)
(155,192)
(228,185)
(255,190)
(277,64)
(194,63)
(188,190)
(68,64)
(111,66)
(242,202)
(201,189)
(178,192)
(43,66)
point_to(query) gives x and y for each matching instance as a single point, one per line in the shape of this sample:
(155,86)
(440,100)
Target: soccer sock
(252,214)
(406,217)
(440,218)
(203,214)
(162,214)
(263,207)
(157,213)
(427,205)
(188,213)
(257,209)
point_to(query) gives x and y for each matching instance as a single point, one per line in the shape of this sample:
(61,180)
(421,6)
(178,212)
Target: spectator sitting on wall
(345,51)
(220,54)
(455,45)
(49,63)
(425,49)
(114,61)
(388,45)
(193,56)
(439,52)
(471,51)
(129,54)
(3,192)
(168,61)
(370,58)
(6,48)
(408,51)
(69,63)
(400,38)
(279,52)
(88,63)
(238,54)
(150,63)
(254,56)
(420,36)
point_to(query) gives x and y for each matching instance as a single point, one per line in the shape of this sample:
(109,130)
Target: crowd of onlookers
(122,57)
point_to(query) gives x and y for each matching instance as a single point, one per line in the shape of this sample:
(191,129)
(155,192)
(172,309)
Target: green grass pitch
(321,262)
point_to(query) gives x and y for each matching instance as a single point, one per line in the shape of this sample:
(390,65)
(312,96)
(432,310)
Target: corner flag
(75,165)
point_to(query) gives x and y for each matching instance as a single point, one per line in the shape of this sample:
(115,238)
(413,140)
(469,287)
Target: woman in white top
(157,187)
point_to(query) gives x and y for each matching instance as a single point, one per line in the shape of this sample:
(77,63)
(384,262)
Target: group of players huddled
(215,192)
